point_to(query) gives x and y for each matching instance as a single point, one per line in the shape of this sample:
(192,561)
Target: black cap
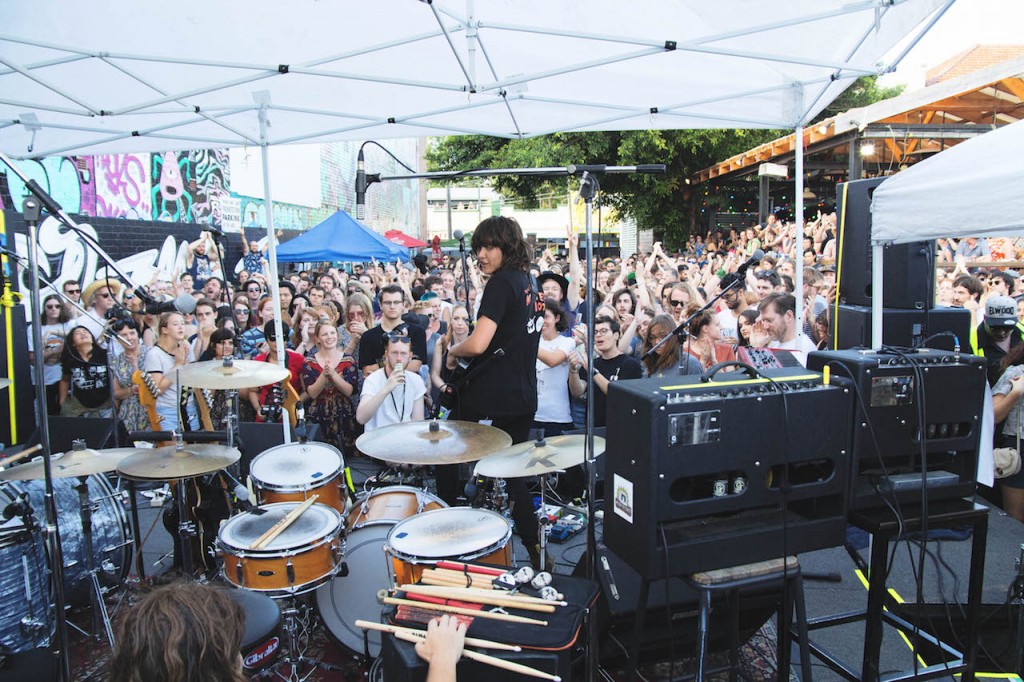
(270,333)
(562,282)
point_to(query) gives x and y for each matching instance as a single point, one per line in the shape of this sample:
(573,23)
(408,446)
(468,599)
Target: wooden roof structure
(955,106)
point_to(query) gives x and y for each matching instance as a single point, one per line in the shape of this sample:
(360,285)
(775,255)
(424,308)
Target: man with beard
(776,327)
(735,300)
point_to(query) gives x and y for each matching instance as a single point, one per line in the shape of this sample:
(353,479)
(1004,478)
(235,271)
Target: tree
(864,91)
(664,203)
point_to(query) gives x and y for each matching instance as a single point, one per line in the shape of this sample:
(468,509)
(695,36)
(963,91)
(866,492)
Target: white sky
(966,23)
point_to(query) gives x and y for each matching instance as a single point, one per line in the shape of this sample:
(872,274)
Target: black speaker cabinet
(96,432)
(851,327)
(907,270)
(709,474)
(901,398)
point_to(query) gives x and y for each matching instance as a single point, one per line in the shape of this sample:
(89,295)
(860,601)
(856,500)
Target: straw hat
(90,291)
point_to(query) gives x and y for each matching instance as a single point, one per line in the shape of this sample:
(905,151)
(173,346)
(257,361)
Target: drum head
(317,522)
(343,601)
(297,465)
(452,532)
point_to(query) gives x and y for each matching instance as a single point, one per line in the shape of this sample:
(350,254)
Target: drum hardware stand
(295,626)
(100,616)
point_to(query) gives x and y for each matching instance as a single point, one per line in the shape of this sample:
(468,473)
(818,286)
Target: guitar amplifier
(745,467)
(893,395)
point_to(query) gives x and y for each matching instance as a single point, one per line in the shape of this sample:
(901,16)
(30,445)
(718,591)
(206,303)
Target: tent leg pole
(877,256)
(275,295)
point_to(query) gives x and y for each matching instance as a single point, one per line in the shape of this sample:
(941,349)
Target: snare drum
(390,505)
(296,471)
(305,555)
(455,533)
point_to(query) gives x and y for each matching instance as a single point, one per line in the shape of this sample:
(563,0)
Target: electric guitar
(147,397)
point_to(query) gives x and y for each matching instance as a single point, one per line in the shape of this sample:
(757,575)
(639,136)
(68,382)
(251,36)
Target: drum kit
(306,541)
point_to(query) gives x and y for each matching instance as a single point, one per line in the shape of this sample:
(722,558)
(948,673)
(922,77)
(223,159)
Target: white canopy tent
(124,76)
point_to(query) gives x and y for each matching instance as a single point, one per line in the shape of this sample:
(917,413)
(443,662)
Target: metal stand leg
(974,589)
(876,600)
(100,616)
(140,564)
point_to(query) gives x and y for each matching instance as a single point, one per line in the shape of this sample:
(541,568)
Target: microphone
(240,492)
(360,186)
(754,259)
(183,304)
(215,230)
(461,236)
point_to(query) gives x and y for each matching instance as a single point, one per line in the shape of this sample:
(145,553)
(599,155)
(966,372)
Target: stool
(731,580)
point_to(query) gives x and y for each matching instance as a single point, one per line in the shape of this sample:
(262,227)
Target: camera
(118,312)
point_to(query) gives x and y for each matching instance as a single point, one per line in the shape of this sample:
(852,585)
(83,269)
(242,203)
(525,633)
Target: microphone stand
(31,211)
(465,276)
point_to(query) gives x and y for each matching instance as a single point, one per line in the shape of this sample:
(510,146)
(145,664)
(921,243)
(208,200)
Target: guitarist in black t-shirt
(502,390)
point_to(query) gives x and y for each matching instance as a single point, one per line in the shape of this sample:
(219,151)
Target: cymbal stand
(99,613)
(186,528)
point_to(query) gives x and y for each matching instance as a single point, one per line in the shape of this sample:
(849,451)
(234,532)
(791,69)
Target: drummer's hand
(443,645)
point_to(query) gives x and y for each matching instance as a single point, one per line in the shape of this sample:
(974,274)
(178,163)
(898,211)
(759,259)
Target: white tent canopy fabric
(975,189)
(123,76)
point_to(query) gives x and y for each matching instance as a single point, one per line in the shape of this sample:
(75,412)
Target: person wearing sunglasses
(372,344)
(53,332)
(72,291)
(392,394)
(99,298)
(503,391)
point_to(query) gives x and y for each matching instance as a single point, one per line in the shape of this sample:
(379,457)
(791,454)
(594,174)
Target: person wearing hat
(997,334)
(99,297)
(293,361)
(556,287)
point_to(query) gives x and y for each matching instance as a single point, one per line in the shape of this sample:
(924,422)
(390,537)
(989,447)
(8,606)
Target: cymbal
(433,442)
(69,464)
(168,463)
(217,375)
(537,457)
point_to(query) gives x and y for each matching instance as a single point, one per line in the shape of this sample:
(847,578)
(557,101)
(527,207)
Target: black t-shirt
(371,346)
(506,386)
(89,382)
(620,367)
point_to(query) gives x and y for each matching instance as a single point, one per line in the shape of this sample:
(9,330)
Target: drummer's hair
(181,632)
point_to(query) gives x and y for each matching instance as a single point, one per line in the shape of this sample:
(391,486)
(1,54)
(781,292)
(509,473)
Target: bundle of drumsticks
(466,590)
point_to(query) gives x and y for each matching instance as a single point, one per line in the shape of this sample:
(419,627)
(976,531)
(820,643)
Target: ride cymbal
(69,464)
(537,457)
(169,463)
(433,442)
(219,375)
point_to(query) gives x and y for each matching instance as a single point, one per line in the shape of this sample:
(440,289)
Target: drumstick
(489,660)
(515,596)
(20,456)
(462,578)
(433,578)
(492,599)
(464,612)
(278,528)
(472,641)
(471,568)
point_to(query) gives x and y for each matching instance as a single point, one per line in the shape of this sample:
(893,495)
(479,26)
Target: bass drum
(24,594)
(344,600)
(111,532)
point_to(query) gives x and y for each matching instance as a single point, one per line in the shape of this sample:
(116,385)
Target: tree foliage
(664,203)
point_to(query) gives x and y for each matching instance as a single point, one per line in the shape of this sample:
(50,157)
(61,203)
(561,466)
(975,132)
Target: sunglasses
(241,311)
(129,297)
(104,295)
(398,338)
(72,291)
(677,304)
(53,306)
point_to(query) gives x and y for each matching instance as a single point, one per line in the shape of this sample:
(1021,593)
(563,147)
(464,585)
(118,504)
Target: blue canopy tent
(339,238)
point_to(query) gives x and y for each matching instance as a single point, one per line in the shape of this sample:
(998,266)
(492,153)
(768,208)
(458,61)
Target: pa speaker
(95,431)
(851,327)
(907,268)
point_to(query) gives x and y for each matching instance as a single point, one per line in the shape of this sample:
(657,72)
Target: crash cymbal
(537,457)
(433,442)
(169,463)
(69,464)
(219,375)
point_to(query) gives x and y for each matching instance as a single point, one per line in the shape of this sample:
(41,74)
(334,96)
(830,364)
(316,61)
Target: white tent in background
(125,76)
(975,189)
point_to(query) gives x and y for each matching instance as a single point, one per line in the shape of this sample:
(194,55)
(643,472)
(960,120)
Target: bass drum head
(343,601)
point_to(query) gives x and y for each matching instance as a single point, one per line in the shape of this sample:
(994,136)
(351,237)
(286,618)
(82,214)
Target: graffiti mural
(68,179)
(123,189)
(171,175)
(210,184)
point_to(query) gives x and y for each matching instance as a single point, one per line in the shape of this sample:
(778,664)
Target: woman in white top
(54,330)
(171,353)
(553,416)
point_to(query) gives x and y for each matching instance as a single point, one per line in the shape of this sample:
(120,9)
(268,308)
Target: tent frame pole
(275,289)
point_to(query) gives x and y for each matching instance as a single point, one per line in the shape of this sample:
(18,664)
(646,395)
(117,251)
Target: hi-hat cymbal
(433,442)
(168,463)
(534,458)
(218,375)
(70,464)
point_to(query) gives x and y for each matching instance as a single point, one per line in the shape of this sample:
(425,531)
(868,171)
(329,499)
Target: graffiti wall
(195,188)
